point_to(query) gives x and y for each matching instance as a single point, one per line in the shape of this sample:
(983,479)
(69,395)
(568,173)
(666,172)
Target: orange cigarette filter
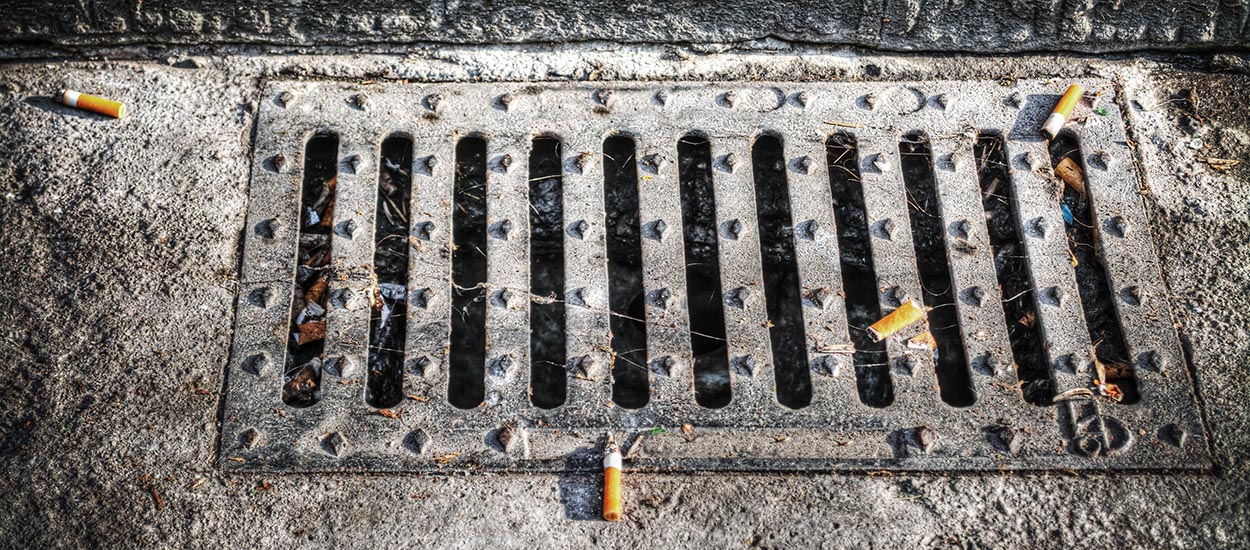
(94,104)
(906,315)
(1062,111)
(612,483)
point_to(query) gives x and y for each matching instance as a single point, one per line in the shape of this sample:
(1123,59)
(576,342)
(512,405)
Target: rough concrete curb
(905,25)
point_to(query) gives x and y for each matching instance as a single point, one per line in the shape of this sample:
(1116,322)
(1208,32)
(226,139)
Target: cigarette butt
(94,104)
(1071,174)
(612,483)
(906,315)
(1059,116)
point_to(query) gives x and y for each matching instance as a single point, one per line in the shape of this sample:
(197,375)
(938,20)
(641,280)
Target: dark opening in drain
(388,321)
(929,239)
(782,290)
(859,277)
(306,343)
(1101,317)
(625,289)
(548,379)
(1002,219)
(466,382)
(703,286)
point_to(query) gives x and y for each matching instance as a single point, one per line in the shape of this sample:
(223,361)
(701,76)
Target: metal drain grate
(915,429)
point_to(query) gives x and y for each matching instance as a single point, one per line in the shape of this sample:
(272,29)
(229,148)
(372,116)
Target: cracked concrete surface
(120,243)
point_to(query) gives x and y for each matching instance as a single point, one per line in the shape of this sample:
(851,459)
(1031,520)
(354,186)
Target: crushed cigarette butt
(906,315)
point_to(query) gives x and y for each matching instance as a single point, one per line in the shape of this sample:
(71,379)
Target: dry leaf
(393,415)
(1111,391)
(1071,174)
(312,331)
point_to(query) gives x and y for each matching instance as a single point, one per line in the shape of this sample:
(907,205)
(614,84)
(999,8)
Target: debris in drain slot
(1062,111)
(611,481)
(1103,371)
(309,300)
(1071,174)
(389,295)
(95,104)
(906,315)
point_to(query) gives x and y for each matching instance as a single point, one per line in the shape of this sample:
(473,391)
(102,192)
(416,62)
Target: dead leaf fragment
(1071,174)
(1110,391)
(316,291)
(393,415)
(312,331)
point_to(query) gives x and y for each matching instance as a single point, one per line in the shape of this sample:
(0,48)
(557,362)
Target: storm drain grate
(495,276)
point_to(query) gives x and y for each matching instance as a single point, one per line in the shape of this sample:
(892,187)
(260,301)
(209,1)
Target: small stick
(842,124)
(611,482)
(906,315)
(94,104)
(1060,115)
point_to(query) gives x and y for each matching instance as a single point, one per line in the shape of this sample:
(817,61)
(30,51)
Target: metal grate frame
(837,431)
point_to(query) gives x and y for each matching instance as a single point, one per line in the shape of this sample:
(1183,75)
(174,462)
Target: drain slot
(782,292)
(1002,218)
(703,287)
(929,239)
(548,381)
(1101,317)
(625,289)
(467,360)
(306,342)
(388,322)
(859,278)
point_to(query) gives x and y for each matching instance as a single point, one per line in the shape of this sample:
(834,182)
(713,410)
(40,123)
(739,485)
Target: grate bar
(586,280)
(507,279)
(351,285)
(750,355)
(1054,280)
(670,359)
(972,269)
(429,269)
(830,351)
(885,197)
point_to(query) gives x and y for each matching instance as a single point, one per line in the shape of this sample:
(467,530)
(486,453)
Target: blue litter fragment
(1067,215)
